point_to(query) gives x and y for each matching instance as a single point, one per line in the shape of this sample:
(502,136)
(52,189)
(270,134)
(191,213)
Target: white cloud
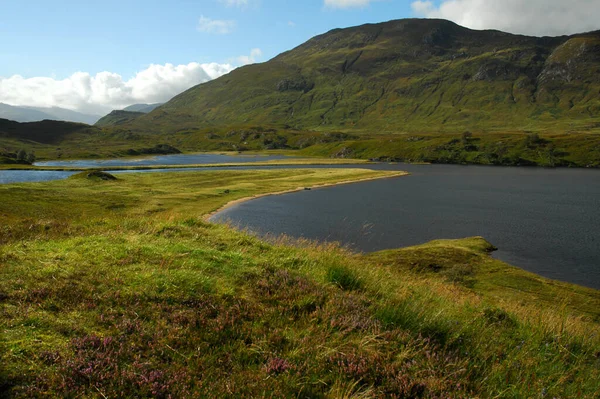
(215,26)
(347,3)
(255,54)
(105,91)
(533,17)
(291,24)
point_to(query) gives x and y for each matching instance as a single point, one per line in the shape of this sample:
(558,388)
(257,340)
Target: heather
(120,288)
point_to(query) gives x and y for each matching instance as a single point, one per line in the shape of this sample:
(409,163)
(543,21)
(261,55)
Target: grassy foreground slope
(118,288)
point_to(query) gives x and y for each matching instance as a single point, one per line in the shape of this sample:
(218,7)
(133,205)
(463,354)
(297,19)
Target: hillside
(46,135)
(145,108)
(45,132)
(128,293)
(405,76)
(116,118)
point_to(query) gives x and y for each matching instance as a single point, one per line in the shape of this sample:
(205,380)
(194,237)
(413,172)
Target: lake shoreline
(229,204)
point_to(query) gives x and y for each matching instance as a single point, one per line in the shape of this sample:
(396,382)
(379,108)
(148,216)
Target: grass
(276,162)
(120,289)
(505,147)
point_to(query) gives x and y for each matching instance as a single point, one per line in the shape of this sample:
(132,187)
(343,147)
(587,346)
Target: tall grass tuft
(344,278)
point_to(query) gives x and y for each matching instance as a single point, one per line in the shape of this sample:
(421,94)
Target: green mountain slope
(44,132)
(405,76)
(118,118)
(145,108)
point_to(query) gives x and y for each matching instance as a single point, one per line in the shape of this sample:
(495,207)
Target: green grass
(118,118)
(485,148)
(120,289)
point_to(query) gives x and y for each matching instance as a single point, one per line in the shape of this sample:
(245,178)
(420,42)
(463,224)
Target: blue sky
(94,56)
(58,38)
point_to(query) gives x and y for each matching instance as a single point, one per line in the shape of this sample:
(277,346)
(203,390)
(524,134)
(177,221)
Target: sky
(95,56)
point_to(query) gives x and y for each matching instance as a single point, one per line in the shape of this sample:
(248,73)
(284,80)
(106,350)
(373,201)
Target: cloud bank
(255,54)
(531,17)
(105,91)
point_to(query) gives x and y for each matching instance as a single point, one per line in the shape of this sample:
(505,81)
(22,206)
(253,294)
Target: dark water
(543,220)
(177,159)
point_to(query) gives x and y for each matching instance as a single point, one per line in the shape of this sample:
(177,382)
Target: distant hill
(44,132)
(20,114)
(129,114)
(33,114)
(116,118)
(68,115)
(144,108)
(412,75)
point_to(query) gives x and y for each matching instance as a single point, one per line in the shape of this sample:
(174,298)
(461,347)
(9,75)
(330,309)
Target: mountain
(34,114)
(20,114)
(409,75)
(116,118)
(68,115)
(145,108)
(129,114)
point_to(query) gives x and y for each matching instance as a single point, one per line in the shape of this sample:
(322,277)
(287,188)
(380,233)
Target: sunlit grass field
(119,288)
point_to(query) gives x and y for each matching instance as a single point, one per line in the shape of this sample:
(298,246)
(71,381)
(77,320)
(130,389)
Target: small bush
(344,278)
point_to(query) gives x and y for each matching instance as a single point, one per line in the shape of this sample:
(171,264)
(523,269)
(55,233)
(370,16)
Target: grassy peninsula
(119,288)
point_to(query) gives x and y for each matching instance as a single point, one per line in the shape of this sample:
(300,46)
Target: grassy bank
(543,148)
(118,288)
(507,149)
(277,162)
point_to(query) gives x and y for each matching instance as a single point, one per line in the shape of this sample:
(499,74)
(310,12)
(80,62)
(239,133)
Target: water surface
(28,176)
(31,176)
(175,159)
(543,220)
